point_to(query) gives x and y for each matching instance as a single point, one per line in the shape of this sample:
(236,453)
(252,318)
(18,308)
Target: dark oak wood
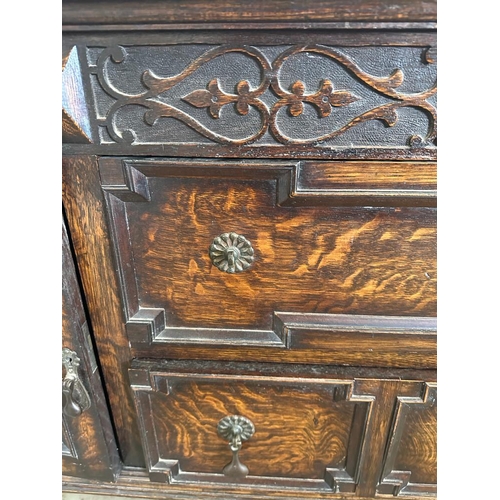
(268,36)
(371,176)
(320,98)
(298,371)
(199,11)
(135,483)
(313,260)
(312,25)
(83,203)
(89,446)
(410,465)
(310,129)
(331,431)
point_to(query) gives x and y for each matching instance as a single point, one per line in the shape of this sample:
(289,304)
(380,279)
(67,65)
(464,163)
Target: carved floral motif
(213,98)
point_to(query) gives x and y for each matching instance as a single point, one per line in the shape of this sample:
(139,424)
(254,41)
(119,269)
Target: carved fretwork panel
(410,464)
(309,433)
(333,100)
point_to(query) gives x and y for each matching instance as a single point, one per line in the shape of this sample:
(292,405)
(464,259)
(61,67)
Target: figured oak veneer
(323,431)
(309,128)
(410,465)
(88,444)
(313,257)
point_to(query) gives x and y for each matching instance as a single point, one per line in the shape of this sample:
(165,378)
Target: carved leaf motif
(342,98)
(296,108)
(243,90)
(325,98)
(242,106)
(213,98)
(199,98)
(430,55)
(390,117)
(396,78)
(243,87)
(298,88)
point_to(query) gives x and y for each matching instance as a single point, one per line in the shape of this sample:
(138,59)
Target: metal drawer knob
(231,253)
(75,397)
(236,429)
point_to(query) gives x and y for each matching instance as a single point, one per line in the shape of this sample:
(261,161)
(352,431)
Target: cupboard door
(88,443)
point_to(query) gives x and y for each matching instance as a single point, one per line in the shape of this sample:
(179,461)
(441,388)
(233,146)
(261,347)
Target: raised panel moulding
(126,182)
(342,479)
(399,482)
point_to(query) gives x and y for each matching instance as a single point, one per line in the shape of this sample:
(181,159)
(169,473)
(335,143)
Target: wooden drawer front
(342,95)
(312,433)
(321,277)
(410,465)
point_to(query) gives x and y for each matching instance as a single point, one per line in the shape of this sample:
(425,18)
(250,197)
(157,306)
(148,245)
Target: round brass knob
(231,253)
(235,427)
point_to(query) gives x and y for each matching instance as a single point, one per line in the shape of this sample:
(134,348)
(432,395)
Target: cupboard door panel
(88,443)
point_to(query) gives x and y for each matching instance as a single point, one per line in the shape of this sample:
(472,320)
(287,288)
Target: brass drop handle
(236,429)
(75,397)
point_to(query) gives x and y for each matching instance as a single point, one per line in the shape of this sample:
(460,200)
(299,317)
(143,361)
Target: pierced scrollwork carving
(231,253)
(213,98)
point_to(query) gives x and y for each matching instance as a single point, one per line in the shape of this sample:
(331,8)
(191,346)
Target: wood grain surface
(74,12)
(328,341)
(83,204)
(307,422)
(418,447)
(89,437)
(410,465)
(363,261)
(135,483)
(303,426)
(356,260)
(312,259)
(375,175)
(299,432)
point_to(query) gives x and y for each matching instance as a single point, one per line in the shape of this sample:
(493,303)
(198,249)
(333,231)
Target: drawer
(290,428)
(316,275)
